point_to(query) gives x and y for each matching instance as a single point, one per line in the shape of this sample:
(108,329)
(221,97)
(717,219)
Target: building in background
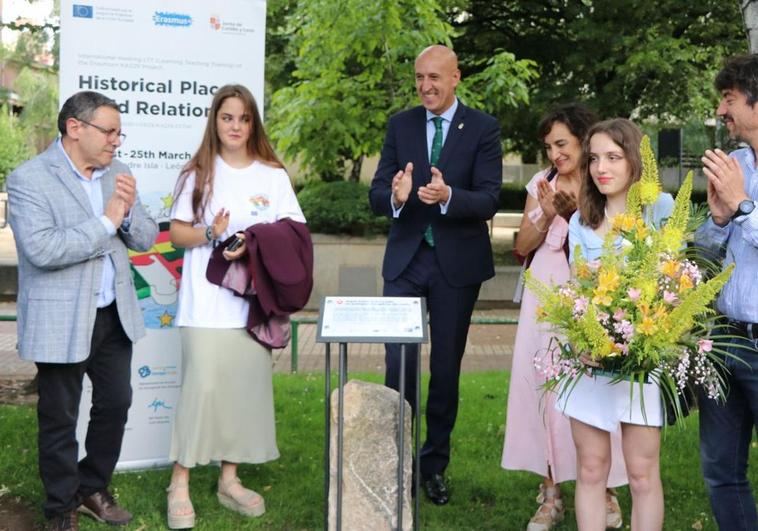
(24,48)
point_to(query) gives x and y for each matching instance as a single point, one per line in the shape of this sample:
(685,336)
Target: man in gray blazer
(74,212)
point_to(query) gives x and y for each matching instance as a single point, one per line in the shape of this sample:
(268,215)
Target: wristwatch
(209,233)
(745,207)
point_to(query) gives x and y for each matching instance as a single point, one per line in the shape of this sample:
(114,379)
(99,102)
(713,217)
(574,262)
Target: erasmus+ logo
(162,18)
(82,11)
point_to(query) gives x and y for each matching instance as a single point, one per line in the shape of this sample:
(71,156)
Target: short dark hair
(740,72)
(576,116)
(82,106)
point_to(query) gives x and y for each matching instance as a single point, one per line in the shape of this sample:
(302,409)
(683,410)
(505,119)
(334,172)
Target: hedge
(341,207)
(513,196)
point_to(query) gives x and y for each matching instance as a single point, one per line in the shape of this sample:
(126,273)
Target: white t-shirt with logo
(256,194)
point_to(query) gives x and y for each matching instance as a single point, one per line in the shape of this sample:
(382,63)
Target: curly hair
(740,72)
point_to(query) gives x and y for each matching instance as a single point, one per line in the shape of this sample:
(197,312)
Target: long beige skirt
(226,409)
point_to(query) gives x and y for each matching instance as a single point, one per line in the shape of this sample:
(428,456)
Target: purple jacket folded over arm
(276,276)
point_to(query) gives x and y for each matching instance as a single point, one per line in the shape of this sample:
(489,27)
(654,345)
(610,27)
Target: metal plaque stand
(326,332)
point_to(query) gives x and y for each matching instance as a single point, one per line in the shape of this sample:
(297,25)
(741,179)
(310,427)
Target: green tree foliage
(340,207)
(353,68)
(14,148)
(639,59)
(279,63)
(38,89)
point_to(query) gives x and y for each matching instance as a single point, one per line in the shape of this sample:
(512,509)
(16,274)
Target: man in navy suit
(439,180)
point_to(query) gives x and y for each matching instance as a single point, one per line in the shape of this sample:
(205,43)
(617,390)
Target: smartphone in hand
(235,244)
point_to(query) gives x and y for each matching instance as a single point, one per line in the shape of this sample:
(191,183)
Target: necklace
(607,218)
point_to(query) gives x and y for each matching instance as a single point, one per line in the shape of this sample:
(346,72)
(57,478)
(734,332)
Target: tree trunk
(750,18)
(355,171)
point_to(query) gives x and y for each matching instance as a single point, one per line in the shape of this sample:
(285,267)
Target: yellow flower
(540,312)
(605,350)
(659,313)
(608,280)
(583,271)
(670,268)
(647,326)
(649,289)
(624,222)
(601,298)
(615,350)
(685,283)
(609,349)
(649,192)
(640,229)
(672,238)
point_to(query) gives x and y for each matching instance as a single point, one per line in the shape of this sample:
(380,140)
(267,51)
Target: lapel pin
(460,126)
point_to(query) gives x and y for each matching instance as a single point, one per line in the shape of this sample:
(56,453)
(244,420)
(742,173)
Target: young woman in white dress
(596,407)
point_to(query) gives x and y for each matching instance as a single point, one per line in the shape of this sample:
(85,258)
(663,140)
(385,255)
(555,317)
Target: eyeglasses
(110,134)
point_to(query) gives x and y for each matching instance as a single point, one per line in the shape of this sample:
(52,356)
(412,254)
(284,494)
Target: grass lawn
(483,496)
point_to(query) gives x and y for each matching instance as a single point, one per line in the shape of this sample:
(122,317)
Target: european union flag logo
(82,11)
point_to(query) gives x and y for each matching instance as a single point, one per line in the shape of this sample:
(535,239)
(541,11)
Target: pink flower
(669,297)
(623,347)
(594,264)
(704,345)
(619,314)
(580,305)
(634,293)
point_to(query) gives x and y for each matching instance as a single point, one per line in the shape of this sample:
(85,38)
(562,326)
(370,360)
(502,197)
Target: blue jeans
(725,434)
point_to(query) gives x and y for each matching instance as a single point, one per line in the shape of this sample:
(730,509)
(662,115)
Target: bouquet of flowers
(642,311)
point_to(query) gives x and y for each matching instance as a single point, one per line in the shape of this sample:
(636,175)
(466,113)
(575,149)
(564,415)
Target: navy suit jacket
(471,163)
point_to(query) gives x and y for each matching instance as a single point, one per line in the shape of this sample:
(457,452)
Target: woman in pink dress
(537,437)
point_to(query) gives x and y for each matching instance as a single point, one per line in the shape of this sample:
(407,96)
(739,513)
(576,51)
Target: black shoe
(435,489)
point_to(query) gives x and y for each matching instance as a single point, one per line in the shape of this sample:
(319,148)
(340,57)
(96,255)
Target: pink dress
(536,435)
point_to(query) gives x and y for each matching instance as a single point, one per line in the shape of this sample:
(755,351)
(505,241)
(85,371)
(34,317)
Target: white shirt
(447,119)
(93,187)
(256,194)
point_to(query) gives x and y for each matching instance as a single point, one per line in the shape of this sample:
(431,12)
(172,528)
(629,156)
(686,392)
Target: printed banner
(161,61)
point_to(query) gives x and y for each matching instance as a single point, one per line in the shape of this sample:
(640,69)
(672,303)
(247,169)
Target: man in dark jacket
(439,180)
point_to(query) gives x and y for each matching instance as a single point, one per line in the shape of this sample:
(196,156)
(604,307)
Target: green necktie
(433,158)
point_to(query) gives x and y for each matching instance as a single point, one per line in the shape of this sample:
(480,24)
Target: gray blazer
(61,248)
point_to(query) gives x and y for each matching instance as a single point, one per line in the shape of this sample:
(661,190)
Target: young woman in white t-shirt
(225,413)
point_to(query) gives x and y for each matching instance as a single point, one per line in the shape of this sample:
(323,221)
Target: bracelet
(209,233)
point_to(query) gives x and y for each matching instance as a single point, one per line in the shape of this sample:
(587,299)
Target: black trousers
(450,311)
(66,480)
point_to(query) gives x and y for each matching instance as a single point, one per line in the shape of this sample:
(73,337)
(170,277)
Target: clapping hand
(436,191)
(564,203)
(126,190)
(546,197)
(401,185)
(726,185)
(121,200)
(588,361)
